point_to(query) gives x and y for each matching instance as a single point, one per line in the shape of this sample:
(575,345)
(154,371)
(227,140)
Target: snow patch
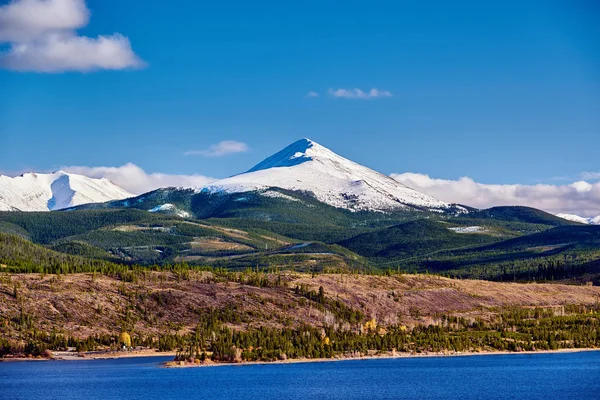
(278,195)
(460,210)
(468,229)
(169,208)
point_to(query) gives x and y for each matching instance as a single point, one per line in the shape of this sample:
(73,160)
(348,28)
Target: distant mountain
(305,208)
(308,167)
(581,220)
(55,191)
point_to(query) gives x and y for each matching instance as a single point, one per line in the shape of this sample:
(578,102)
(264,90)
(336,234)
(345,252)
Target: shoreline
(94,355)
(185,364)
(64,356)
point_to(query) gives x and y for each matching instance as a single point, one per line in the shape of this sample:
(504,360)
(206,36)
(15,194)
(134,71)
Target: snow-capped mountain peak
(45,192)
(581,220)
(296,153)
(309,167)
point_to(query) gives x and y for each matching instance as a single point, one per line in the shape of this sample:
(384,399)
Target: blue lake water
(539,376)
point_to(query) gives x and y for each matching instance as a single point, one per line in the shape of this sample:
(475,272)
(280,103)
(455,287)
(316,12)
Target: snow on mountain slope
(582,220)
(45,192)
(6,207)
(332,179)
(170,209)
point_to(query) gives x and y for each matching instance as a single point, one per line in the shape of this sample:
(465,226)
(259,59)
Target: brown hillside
(161,302)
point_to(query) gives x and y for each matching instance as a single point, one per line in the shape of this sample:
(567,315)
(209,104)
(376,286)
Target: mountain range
(55,191)
(304,208)
(304,166)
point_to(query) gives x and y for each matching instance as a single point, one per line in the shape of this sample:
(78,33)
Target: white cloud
(135,180)
(41,37)
(25,20)
(220,149)
(359,94)
(71,53)
(582,186)
(592,176)
(581,198)
(311,94)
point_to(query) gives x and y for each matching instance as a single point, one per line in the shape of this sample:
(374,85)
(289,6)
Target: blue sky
(502,92)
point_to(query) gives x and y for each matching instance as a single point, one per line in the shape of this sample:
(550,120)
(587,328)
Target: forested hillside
(292,230)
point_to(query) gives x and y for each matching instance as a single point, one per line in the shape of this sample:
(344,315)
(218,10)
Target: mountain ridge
(55,191)
(581,220)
